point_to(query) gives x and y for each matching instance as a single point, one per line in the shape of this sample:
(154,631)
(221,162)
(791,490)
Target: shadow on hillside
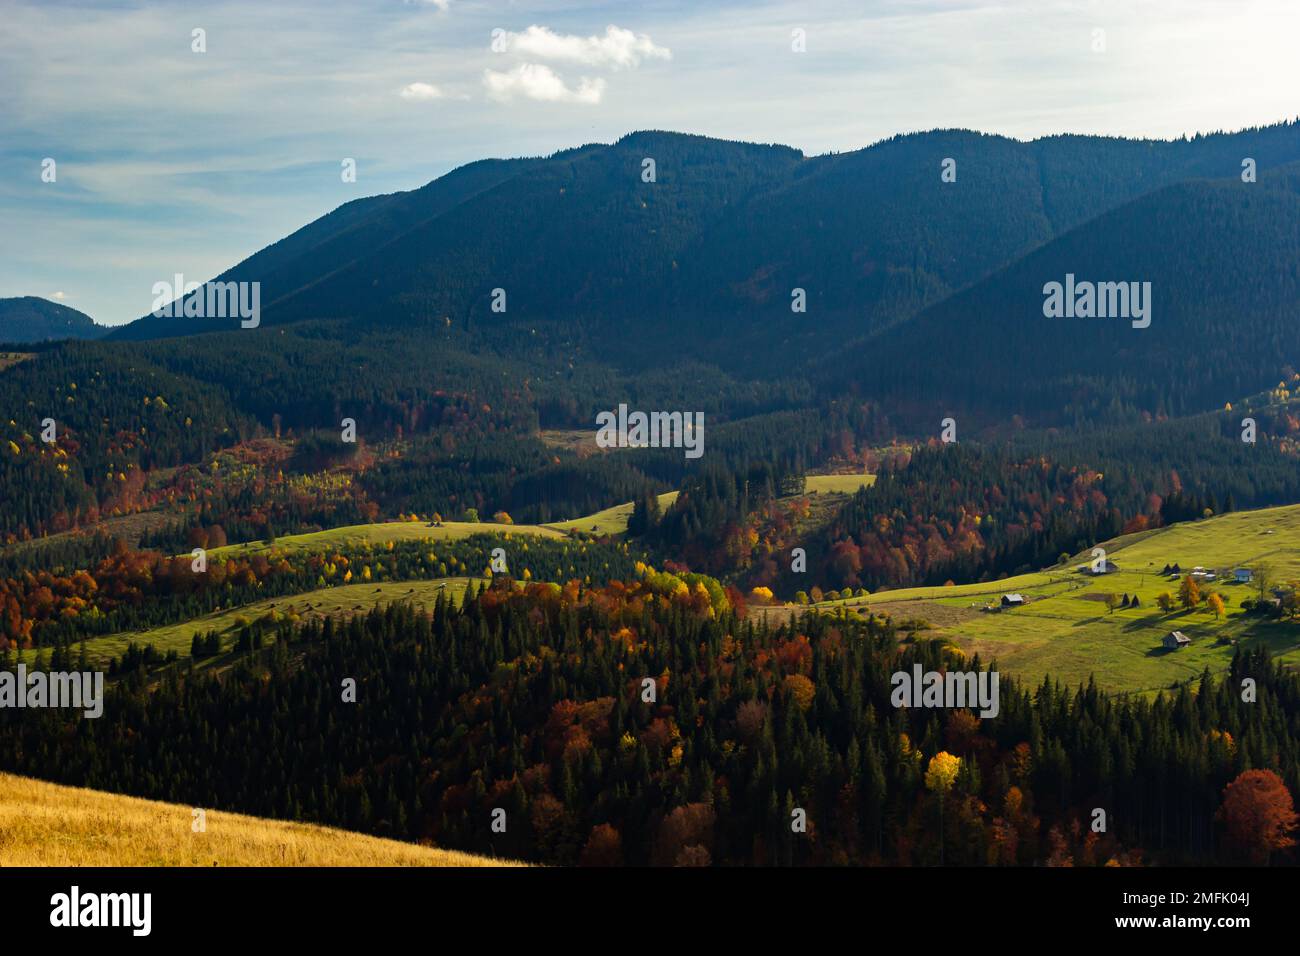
(1161,651)
(1156,620)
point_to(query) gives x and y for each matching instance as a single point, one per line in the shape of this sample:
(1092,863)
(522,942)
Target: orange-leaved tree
(1258,815)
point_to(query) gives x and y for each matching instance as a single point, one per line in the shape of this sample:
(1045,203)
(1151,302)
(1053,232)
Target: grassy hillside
(837,484)
(344,599)
(8,359)
(44,824)
(382,533)
(359,598)
(1067,631)
(614,520)
(611,520)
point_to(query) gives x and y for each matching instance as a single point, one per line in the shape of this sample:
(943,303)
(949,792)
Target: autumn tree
(1165,601)
(939,778)
(801,689)
(1214,604)
(684,832)
(1189,593)
(1258,815)
(604,847)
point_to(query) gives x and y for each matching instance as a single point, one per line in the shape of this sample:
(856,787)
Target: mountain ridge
(872,235)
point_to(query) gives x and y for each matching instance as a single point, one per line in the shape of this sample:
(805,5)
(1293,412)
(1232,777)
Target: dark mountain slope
(875,235)
(581,233)
(1223,260)
(871,236)
(335,240)
(32,319)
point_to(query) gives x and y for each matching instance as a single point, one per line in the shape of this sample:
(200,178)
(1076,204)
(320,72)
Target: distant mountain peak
(30,318)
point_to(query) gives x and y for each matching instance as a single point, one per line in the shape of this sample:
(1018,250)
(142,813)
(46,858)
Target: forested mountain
(30,318)
(590,255)
(874,235)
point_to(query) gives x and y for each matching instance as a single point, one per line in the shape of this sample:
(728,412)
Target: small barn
(1243,575)
(1176,639)
(1013,600)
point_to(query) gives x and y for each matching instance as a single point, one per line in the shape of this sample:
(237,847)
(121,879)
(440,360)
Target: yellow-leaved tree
(1214,604)
(940,775)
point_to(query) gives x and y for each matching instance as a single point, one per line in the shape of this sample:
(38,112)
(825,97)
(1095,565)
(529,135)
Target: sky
(169,159)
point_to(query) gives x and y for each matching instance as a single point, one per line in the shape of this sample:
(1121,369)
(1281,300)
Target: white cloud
(60,296)
(421,91)
(535,81)
(617,49)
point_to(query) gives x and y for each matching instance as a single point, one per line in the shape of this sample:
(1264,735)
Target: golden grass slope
(45,824)
(837,484)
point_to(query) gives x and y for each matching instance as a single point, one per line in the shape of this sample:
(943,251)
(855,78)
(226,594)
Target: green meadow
(1066,630)
(614,520)
(345,599)
(610,521)
(381,533)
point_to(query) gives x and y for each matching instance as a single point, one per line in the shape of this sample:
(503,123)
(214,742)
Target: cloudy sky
(169,160)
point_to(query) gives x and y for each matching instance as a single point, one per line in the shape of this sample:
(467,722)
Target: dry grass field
(44,824)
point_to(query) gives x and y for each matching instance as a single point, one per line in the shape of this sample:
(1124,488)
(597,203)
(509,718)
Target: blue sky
(171,161)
